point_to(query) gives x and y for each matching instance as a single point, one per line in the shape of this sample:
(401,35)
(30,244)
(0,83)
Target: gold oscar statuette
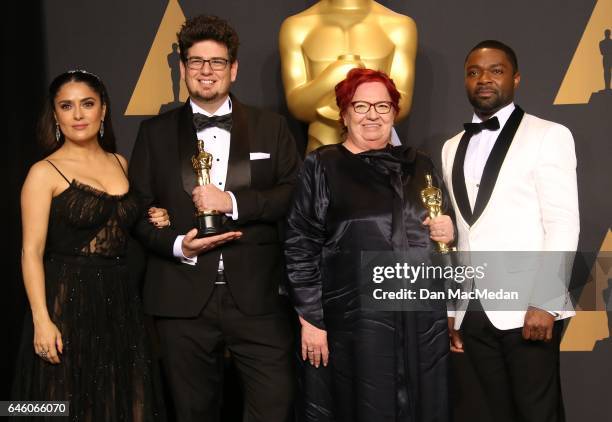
(318,47)
(431,197)
(208,222)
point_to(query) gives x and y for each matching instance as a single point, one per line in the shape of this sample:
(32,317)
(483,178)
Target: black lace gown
(383,365)
(105,371)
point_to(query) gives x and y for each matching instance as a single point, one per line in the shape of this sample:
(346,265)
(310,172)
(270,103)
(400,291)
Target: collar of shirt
(478,152)
(225,108)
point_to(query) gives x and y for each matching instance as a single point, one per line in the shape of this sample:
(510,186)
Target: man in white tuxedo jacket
(512,182)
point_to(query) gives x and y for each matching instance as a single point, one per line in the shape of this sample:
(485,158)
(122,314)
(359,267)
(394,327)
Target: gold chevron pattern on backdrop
(588,327)
(584,75)
(154,86)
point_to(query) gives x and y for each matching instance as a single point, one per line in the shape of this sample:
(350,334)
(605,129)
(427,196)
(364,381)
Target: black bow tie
(474,128)
(202,122)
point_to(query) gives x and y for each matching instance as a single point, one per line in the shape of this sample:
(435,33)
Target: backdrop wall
(556,41)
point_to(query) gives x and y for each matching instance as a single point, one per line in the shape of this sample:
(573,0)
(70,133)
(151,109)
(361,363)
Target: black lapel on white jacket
(495,161)
(459,188)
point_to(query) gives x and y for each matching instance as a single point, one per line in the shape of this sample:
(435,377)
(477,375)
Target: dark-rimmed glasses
(216,63)
(381,107)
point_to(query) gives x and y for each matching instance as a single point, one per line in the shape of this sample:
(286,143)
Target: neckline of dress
(92,190)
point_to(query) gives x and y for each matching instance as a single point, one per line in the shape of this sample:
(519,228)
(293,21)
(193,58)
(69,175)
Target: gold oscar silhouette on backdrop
(321,44)
(583,76)
(592,325)
(159,87)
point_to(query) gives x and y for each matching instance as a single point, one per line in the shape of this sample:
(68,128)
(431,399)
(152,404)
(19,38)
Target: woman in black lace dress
(89,341)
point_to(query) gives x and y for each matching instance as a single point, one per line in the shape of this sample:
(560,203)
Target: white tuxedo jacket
(530,205)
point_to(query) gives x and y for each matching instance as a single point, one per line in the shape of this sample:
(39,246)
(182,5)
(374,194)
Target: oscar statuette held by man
(208,222)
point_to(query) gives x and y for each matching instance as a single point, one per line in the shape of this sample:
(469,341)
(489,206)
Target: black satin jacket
(346,203)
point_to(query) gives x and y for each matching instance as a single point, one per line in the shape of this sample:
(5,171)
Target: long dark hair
(46,124)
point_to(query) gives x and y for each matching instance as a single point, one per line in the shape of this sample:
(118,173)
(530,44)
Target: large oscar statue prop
(431,197)
(208,222)
(321,44)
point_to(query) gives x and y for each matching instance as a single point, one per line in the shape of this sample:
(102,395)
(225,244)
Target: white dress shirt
(478,151)
(217,143)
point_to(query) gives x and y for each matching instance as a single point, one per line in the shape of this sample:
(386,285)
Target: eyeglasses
(216,63)
(381,107)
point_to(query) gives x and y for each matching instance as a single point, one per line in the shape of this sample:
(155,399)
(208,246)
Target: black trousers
(520,378)
(261,347)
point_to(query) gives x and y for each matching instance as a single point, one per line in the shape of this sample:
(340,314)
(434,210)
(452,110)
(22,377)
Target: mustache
(485,89)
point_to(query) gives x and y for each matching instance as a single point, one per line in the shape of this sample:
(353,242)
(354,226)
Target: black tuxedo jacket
(161,172)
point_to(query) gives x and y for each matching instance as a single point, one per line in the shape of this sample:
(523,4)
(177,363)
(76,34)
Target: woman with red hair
(362,362)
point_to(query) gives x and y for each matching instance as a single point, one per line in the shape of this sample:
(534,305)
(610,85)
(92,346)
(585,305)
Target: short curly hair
(208,27)
(497,45)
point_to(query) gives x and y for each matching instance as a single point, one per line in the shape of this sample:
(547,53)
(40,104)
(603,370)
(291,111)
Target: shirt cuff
(234,214)
(177,251)
(553,313)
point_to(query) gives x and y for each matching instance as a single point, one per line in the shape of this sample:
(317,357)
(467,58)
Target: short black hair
(208,27)
(497,45)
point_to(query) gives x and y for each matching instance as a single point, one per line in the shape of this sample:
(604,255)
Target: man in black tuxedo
(219,291)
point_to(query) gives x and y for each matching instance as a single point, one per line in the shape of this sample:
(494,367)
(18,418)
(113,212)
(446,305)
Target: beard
(486,104)
(489,105)
(208,97)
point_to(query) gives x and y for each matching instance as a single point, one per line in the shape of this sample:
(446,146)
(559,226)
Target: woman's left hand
(441,229)
(159,217)
(314,344)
